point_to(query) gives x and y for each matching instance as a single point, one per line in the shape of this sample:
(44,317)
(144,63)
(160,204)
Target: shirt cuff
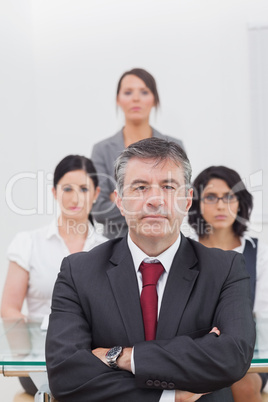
(167,396)
(132,361)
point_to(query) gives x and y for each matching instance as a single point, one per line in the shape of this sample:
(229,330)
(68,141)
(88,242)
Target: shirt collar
(166,258)
(240,248)
(247,237)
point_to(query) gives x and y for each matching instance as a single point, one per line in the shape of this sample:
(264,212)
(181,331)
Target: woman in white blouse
(219,215)
(35,256)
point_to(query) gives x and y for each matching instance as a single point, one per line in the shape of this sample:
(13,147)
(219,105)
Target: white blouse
(40,252)
(261,292)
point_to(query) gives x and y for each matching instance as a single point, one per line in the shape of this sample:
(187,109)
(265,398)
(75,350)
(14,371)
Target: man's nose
(155,197)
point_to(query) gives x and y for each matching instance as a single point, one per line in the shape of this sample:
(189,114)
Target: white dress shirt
(166,259)
(40,252)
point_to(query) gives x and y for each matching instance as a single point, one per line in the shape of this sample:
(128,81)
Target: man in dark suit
(101,344)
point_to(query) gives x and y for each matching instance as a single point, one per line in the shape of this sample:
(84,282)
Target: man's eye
(67,189)
(168,187)
(141,188)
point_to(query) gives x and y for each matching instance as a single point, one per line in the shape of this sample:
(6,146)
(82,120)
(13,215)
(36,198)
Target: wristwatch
(112,355)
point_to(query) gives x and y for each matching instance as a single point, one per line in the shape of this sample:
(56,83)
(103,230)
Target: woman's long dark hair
(76,162)
(234,181)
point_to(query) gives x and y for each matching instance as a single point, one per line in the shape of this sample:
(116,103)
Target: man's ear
(118,201)
(189,199)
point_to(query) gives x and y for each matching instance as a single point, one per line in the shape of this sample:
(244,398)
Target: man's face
(154,200)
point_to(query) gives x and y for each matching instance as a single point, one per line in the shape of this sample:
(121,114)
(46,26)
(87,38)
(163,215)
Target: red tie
(151,273)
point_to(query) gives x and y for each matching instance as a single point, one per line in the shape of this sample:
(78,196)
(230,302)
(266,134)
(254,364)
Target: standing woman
(219,215)
(136,95)
(35,256)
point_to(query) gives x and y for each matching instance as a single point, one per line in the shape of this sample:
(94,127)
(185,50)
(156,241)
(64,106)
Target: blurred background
(60,61)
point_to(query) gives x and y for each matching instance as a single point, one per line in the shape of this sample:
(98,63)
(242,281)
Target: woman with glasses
(219,215)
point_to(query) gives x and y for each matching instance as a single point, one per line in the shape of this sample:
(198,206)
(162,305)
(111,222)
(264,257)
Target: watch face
(114,352)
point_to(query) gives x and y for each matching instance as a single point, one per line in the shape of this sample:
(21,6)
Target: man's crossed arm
(124,363)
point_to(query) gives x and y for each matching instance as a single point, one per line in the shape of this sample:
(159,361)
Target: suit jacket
(96,304)
(104,154)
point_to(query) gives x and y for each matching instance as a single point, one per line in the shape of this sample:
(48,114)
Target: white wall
(60,63)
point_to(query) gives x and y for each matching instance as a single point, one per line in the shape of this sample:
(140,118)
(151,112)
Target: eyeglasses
(213,199)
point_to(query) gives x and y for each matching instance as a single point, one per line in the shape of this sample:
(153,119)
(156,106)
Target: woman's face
(135,98)
(75,193)
(220,215)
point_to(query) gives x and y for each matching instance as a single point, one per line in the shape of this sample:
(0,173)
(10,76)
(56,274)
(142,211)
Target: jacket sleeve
(210,362)
(74,373)
(104,207)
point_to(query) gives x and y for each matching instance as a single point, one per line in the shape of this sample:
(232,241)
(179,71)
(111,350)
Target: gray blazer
(104,154)
(96,303)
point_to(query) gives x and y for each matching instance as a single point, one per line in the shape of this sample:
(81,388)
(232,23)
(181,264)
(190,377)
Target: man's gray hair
(152,148)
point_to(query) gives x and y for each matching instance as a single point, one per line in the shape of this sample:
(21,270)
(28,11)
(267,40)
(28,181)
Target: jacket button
(164,384)
(157,383)
(171,385)
(149,383)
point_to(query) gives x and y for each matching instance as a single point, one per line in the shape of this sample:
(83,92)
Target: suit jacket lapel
(124,285)
(178,288)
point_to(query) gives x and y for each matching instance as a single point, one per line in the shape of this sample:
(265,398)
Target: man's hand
(123,361)
(216,330)
(100,353)
(185,396)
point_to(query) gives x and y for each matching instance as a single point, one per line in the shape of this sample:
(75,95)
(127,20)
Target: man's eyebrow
(164,181)
(170,181)
(139,181)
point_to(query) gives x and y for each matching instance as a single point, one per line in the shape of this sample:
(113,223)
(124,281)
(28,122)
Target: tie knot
(151,272)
